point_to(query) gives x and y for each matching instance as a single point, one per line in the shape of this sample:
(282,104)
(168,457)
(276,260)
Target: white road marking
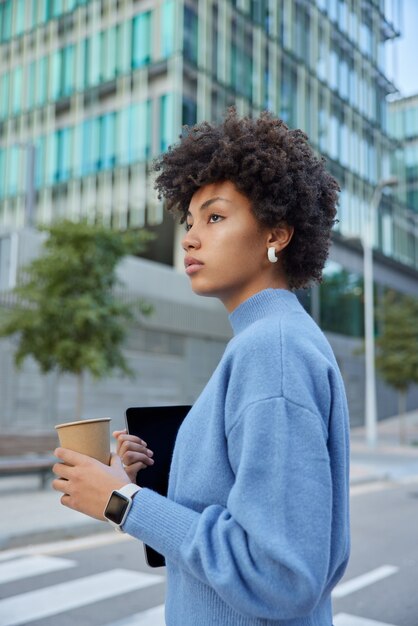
(152,617)
(342,619)
(355,584)
(42,603)
(32,566)
(66,545)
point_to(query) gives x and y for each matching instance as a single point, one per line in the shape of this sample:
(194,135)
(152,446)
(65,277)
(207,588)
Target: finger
(117,433)
(132,446)
(59,484)
(130,458)
(62,470)
(69,457)
(133,438)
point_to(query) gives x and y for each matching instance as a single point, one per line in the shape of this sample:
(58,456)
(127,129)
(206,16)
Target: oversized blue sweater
(255,528)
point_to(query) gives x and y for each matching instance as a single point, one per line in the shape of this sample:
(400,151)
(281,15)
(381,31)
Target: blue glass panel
(167,31)
(17,90)
(140,131)
(107,141)
(190,34)
(6,20)
(4,95)
(166,121)
(141,39)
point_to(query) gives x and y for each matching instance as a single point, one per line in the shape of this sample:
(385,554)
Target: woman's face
(226,248)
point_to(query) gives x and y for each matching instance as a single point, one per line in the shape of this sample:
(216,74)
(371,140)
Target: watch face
(116,508)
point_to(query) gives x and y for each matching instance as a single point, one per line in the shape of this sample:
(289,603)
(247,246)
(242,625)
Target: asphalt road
(383,571)
(71,582)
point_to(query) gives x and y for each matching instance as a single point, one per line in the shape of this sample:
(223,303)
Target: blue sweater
(255,529)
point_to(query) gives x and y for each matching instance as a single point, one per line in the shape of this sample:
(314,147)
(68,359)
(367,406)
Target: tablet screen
(158,426)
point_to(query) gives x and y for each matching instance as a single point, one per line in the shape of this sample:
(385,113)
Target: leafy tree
(67,316)
(397,346)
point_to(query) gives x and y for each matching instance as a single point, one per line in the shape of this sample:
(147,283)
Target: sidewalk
(31,515)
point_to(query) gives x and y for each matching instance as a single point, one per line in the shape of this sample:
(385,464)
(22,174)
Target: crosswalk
(57,599)
(53,601)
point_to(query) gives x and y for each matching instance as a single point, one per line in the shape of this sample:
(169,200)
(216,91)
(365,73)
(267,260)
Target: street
(102,580)
(383,569)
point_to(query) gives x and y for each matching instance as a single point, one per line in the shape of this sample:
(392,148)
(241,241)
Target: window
(107,141)
(42,81)
(167,30)
(166,121)
(190,34)
(4,95)
(189,114)
(141,39)
(288,102)
(108,54)
(17,90)
(19,25)
(341,307)
(140,130)
(6,20)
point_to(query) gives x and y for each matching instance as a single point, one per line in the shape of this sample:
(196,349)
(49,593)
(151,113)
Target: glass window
(341,307)
(167,30)
(288,100)
(124,47)
(55,74)
(108,54)
(140,131)
(90,146)
(107,141)
(166,121)
(64,151)
(67,71)
(40,162)
(6,20)
(3,154)
(141,39)
(122,137)
(190,34)
(14,169)
(93,60)
(189,114)
(20,7)
(4,95)
(17,90)
(42,81)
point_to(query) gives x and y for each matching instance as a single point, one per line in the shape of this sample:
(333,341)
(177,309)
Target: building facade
(403,124)
(101,87)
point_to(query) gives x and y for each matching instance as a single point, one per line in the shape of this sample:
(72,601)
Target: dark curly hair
(272,166)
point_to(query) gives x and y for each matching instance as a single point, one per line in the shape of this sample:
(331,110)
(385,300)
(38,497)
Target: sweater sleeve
(266,553)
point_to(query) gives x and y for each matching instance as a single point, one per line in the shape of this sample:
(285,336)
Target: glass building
(403,124)
(101,87)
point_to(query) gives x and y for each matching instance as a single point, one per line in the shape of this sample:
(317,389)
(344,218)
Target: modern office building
(403,125)
(91,91)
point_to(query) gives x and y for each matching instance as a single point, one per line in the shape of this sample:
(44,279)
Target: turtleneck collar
(262,304)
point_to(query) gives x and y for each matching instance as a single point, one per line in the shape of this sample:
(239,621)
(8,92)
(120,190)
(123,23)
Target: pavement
(30,515)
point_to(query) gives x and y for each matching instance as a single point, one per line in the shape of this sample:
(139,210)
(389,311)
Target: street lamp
(369,338)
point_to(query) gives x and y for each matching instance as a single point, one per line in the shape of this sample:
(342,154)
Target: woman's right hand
(133,452)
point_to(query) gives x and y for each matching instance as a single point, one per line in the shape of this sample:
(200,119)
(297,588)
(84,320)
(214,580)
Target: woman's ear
(280,237)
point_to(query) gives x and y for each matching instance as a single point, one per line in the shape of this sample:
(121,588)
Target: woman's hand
(87,483)
(133,452)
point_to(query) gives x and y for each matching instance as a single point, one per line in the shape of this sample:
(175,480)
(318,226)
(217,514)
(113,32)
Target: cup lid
(97,419)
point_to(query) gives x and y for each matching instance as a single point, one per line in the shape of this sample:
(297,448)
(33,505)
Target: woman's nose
(190,241)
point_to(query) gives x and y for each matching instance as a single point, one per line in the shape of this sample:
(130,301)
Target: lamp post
(369,338)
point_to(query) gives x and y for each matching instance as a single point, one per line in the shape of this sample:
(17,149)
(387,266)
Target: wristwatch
(118,505)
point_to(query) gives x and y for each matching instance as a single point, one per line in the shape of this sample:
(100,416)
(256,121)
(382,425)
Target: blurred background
(91,91)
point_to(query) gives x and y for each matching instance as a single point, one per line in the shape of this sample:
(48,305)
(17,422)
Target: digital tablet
(157,426)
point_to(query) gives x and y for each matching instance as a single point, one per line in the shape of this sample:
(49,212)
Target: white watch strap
(128,490)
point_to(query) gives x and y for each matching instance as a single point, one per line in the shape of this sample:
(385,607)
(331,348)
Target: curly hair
(274,167)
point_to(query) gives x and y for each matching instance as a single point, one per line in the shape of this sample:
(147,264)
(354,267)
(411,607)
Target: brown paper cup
(91,437)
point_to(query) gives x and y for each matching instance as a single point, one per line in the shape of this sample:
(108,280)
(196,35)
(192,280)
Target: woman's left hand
(87,483)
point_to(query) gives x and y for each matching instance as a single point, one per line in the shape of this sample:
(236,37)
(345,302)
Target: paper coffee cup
(91,437)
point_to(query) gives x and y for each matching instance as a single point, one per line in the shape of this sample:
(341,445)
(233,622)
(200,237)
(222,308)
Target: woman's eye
(187,226)
(215,218)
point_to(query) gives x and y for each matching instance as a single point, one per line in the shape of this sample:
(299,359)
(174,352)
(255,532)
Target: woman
(255,528)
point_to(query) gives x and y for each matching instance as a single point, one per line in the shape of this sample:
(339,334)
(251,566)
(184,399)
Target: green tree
(397,346)
(67,316)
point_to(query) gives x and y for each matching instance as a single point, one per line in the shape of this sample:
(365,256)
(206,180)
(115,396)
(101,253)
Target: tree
(68,317)
(397,346)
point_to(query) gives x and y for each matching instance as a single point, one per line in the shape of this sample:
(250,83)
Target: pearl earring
(271,254)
